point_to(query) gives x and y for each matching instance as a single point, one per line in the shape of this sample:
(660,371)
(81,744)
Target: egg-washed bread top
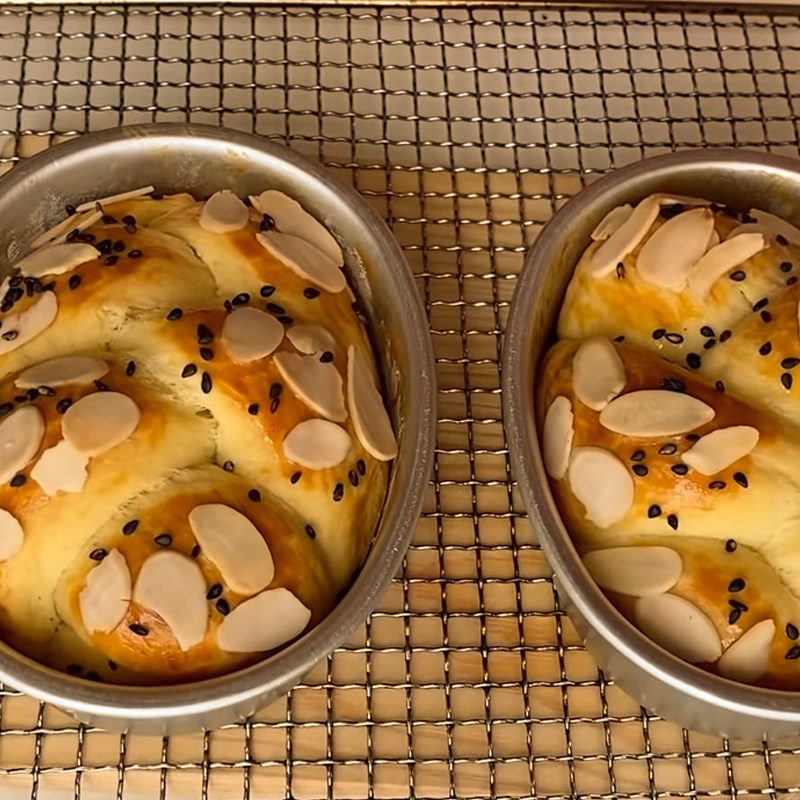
(195,448)
(668,421)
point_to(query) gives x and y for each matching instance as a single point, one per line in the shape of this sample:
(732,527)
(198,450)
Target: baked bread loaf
(669,430)
(195,450)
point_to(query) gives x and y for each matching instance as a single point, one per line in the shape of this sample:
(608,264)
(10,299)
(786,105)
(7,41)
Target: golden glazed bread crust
(210,434)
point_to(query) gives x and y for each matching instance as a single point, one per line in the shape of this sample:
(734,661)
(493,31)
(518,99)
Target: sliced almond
(224,212)
(719,449)
(11,535)
(21,434)
(635,571)
(173,586)
(55,232)
(655,412)
(625,239)
(317,444)
(747,659)
(28,324)
(100,421)
(60,468)
(713,240)
(318,384)
(249,334)
(263,622)
(105,599)
(56,260)
(132,194)
(669,199)
(679,626)
(611,222)
(720,260)
(557,434)
(598,374)
(776,225)
(669,254)
(748,227)
(62,371)
(602,483)
(370,420)
(311,338)
(234,545)
(80,223)
(304,259)
(290,217)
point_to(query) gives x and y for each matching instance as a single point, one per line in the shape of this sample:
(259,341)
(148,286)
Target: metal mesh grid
(465,129)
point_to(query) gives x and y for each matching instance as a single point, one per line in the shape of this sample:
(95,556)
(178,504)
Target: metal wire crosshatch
(466,129)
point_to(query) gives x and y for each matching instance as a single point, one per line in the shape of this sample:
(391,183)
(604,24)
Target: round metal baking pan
(200,160)
(660,681)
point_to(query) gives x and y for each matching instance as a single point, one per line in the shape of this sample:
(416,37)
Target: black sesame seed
(7,305)
(101,387)
(228,306)
(792,281)
(295,477)
(619,338)
(267,223)
(620,270)
(637,455)
(275,389)
(6,408)
(786,266)
(353,477)
(693,360)
(793,653)
(204,335)
(129,219)
(241,299)
(730,546)
(130,368)
(312,534)
(736,585)
(228,466)
(791,631)
(254,495)
(10,335)
(105,246)
(737,276)
(790,363)
(733,617)
(781,240)
(673,385)
(109,261)
(285,320)
(724,336)
(786,380)
(15,281)
(118,246)
(163,540)
(361,466)
(74,281)
(32,394)
(74,669)
(206,353)
(93,676)
(338,492)
(70,209)
(310,292)
(273,406)
(98,554)
(175,314)
(129,527)
(107,219)
(222,606)
(667,450)
(266,290)
(679,469)
(709,343)
(706,330)
(741,479)
(326,357)
(196,551)
(737,604)
(762,303)
(188,371)
(63,404)
(672,521)
(252,409)
(717,485)
(138,629)
(640,470)
(135,254)
(654,511)
(205,383)
(18,480)
(658,333)
(719,386)
(765,348)
(674,338)
(214,591)
(275,308)
(112,665)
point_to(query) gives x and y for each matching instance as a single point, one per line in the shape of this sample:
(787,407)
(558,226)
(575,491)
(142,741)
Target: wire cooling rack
(466,130)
